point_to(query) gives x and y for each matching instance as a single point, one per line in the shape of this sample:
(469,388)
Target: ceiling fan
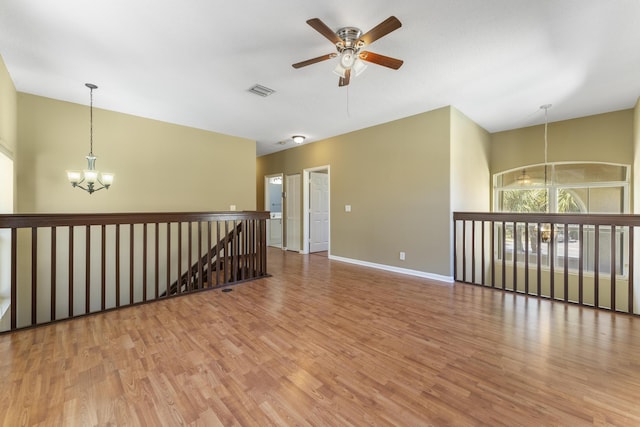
(349,42)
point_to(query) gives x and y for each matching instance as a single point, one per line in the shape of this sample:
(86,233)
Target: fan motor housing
(349,36)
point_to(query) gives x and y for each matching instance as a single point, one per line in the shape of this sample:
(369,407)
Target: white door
(318,212)
(293,212)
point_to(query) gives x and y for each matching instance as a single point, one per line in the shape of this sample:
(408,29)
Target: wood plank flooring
(324,343)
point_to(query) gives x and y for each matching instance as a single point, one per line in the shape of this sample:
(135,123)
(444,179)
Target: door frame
(306,180)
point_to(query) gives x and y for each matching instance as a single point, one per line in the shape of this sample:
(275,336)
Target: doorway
(273,204)
(316,202)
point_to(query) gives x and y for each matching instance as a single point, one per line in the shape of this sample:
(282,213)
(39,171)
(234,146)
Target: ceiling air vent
(261,90)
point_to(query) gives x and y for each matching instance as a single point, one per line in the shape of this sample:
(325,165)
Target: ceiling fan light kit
(359,66)
(349,42)
(347,58)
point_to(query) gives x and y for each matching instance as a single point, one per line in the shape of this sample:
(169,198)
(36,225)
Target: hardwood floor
(328,344)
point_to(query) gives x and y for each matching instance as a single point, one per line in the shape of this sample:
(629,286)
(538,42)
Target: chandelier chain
(91,121)
(546,123)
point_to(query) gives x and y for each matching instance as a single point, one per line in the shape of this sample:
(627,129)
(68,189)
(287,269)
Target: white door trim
(306,173)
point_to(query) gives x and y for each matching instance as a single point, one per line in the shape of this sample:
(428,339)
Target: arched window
(566,187)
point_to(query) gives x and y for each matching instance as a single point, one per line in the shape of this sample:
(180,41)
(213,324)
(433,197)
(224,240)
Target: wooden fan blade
(345,80)
(314,60)
(385,61)
(382,29)
(322,28)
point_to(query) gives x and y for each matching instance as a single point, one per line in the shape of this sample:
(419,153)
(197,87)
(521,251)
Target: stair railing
(59,266)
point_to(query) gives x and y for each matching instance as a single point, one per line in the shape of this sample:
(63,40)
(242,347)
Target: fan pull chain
(348,111)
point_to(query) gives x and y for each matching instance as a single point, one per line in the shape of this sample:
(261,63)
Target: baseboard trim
(423,274)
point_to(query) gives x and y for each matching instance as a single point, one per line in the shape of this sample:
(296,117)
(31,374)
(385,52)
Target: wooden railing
(58,266)
(214,265)
(582,259)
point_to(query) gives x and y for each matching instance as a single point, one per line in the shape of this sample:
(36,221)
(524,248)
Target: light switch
(347,208)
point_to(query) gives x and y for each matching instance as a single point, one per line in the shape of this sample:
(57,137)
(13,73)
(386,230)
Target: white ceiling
(192,62)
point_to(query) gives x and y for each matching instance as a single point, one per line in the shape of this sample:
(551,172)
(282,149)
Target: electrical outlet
(347,208)
(232,207)
(402,255)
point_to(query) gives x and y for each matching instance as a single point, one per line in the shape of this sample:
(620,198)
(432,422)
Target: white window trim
(553,188)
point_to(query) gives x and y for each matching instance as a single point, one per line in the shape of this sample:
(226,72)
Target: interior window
(562,188)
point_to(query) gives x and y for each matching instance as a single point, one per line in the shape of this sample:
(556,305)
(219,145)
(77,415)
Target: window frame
(552,187)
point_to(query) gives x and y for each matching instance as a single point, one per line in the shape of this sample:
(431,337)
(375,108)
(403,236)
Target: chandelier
(93,179)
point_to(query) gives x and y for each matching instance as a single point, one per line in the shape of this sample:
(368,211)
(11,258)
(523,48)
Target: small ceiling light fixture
(90,175)
(298,139)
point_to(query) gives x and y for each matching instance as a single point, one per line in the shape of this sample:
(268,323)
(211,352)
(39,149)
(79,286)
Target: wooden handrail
(69,265)
(53,220)
(555,218)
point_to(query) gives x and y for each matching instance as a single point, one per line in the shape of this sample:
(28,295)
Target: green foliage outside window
(567,202)
(524,201)
(535,201)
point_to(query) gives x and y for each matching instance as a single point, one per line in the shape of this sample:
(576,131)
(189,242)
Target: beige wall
(470,153)
(158,166)
(8,112)
(582,139)
(395,176)
(8,122)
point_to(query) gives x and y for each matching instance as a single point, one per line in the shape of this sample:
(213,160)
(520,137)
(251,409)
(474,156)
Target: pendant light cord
(91,121)
(546,143)
(545,107)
